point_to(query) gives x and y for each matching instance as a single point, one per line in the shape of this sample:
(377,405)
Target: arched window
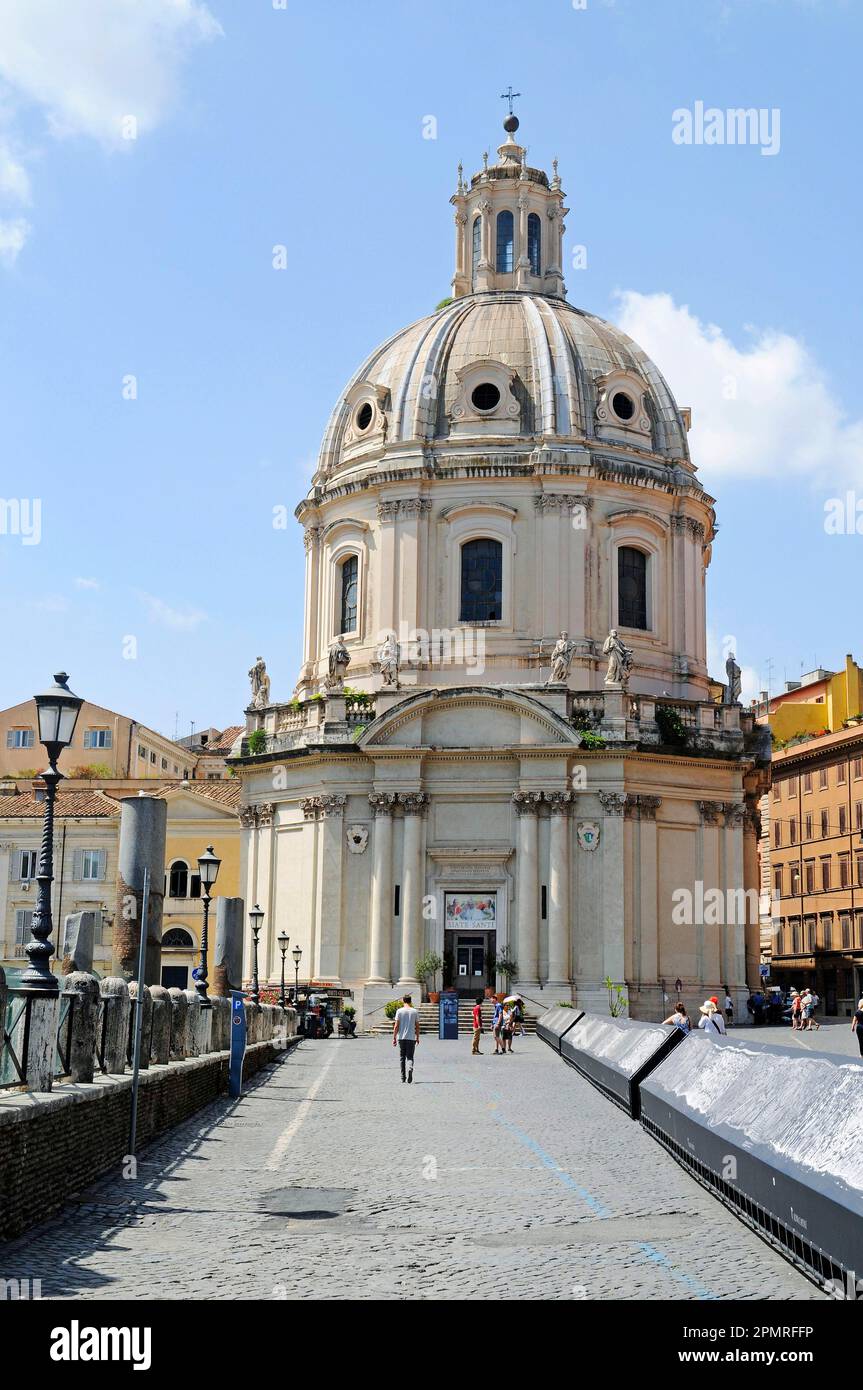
(631,587)
(534,243)
(481,581)
(178,936)
(504,241)
(178,879)
(348,603)
(476,245)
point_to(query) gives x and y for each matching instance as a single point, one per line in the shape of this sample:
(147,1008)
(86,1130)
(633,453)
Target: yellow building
(820,702)
(107,746)
(87,831)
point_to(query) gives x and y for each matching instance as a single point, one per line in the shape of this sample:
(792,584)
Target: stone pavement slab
(488,1178)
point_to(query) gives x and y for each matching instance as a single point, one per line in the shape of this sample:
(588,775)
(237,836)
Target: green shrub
(392,1007)
(589,739)
(257,741)
(672,729)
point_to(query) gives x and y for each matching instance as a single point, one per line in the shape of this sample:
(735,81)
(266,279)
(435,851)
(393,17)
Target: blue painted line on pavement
(648,1251)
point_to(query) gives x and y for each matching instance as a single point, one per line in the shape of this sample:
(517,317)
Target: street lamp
(256,917)
(284,942)
(296,953)
(208,868)
(57,711)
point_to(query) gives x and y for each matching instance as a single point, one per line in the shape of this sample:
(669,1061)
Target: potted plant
(503,963)
(427,967)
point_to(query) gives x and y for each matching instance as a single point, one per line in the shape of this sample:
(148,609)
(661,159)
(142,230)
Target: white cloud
(89,67)
(178,619)
(762,410)
(13,234)
(81,583)
(14,179)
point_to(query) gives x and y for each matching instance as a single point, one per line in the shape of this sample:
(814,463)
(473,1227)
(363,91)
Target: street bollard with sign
(238,1042)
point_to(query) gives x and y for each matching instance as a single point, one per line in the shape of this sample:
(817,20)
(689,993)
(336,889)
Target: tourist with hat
(711,1020)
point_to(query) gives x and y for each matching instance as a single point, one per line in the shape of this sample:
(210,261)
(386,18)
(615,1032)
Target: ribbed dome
(559,355)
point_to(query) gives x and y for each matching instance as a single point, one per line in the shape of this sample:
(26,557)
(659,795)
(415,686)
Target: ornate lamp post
(256,917)
(57,710)
(208,867)
(284,942)
(296,953)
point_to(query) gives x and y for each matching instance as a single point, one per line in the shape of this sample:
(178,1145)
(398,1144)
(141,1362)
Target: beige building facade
(106,746)
(503,744)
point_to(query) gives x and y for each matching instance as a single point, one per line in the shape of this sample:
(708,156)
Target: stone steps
(429,1020)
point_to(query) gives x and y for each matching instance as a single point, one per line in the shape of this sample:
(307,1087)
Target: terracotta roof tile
(226,792)
(68,803)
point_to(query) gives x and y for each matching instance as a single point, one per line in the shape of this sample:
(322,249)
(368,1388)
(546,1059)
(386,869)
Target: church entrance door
(472,957)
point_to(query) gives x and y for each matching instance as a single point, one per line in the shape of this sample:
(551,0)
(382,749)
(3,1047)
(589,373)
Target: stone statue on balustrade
(388,657)
(260,684)
(620,658)
(561,659)
(734,681)
(339,661)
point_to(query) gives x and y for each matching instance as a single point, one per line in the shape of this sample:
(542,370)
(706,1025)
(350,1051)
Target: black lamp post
(284,942)
(208,868)
(296,953)
(57,710)
(256,917)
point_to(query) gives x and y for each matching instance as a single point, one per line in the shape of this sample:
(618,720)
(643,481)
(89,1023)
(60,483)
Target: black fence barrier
(616,1054)
(776,1136)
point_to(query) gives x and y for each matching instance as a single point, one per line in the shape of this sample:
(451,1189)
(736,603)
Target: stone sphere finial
(510,125)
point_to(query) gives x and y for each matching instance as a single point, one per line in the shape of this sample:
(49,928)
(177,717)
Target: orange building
(816,867)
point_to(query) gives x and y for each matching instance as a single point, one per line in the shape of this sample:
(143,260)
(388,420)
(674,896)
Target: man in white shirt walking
(406,1033)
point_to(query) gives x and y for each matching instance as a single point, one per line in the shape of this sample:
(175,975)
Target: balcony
(607,719)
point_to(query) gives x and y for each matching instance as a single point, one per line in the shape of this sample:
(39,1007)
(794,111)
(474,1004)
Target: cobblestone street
(488,1178)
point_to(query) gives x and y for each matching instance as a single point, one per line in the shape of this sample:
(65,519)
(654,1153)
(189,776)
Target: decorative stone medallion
(587,834)
(358,838)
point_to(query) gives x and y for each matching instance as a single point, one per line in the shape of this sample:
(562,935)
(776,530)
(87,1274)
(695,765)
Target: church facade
(504,746)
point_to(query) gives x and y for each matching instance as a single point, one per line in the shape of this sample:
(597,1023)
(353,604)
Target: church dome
(504,364)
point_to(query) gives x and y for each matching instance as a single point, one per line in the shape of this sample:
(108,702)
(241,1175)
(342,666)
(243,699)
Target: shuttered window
(23,918)
(98,738)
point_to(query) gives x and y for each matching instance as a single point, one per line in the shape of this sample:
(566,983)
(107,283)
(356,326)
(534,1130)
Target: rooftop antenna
(768,666)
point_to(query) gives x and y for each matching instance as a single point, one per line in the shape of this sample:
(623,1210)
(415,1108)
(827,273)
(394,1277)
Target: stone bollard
(44,1020)
(160,1033)
(79,934)
(179,1023)
(115,1027)
(146,1025)
(250,1022)
(221,1024)
(292,1023)
(192,1022)
(85,1024)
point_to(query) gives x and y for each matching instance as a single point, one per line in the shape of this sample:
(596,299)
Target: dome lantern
(509,225)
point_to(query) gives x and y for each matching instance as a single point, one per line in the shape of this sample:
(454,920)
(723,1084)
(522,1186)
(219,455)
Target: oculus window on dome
(486,396)
(631,587)
(622,405)
(481,581)
(505,235)
(364,416)
(350,586)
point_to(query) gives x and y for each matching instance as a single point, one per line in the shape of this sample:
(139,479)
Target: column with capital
(522,262)
(414,805)
(734,931)
(559,948)
(614,943)
(380,925)
(526,805)
(330,811)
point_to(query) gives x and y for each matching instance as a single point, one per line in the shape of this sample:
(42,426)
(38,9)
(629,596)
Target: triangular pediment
(469,717)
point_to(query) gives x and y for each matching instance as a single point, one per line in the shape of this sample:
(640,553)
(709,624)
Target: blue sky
(303,126)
